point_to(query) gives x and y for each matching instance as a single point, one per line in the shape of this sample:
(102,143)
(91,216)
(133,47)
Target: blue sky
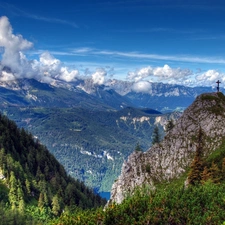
(170,41)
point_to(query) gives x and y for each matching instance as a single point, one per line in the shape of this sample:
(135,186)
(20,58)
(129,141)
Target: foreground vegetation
(201,204)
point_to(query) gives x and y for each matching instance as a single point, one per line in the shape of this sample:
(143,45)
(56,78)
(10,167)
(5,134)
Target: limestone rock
(173,155)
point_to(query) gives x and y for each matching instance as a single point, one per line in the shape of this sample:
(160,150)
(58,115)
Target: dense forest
(34,186)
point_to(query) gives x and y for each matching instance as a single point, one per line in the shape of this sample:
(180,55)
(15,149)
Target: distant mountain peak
(173,155)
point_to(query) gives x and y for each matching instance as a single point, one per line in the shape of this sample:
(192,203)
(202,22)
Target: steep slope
(32,175)
(170,158)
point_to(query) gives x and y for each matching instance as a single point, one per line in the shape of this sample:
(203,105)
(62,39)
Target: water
(105,195)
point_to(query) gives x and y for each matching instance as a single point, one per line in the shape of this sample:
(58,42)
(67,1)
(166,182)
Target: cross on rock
(218,85)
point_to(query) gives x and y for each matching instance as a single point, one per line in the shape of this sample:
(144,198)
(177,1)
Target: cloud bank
(143,77)
(47,68)
(15,65)
(159,74)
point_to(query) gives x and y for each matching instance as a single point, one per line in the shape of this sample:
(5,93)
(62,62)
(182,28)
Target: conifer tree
(41,202)
(138,147)
(206,175)
(20,194)
(215,173)
(169,125)
(156,135)
(55,205)
(28,186)
(195,174)
(21,205)
(13,190)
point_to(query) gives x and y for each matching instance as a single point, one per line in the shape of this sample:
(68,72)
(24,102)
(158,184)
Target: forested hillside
(33,184)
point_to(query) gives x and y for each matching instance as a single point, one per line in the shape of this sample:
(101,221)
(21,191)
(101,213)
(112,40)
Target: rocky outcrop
(173,155)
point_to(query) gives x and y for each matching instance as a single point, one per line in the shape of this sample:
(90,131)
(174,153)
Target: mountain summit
(170,158)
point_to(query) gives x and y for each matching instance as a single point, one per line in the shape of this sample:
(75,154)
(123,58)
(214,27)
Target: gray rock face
(173,155)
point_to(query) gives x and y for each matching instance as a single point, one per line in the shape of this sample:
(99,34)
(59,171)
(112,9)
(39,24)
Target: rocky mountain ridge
(114,94)
(170,158)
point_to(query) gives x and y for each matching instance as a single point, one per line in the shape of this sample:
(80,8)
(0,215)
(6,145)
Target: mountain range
(90,128)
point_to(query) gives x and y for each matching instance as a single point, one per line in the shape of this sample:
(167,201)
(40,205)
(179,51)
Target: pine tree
(215,173)
(28,186)
(13,190)
(20,194)
(41,202)
(138,148)
(195,174)
(156,136)
(206,175)
(21,206)
(169,125)
(55,205)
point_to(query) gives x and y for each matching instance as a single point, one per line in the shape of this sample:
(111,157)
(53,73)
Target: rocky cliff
(173,155)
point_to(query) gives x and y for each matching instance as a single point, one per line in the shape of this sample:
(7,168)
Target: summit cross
(218,85)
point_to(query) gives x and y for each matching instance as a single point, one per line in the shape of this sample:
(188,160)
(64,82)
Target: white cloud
(99,76)
(5,76)
(210,77)
(53,68)
(13,46)
(46,69)
(140,74)
(142,86)
(175,58)
(68,76)
(160,74)
(48,60)
(166,72)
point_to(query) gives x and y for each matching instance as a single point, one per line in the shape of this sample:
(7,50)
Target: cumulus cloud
(99,76)
(140,74)
(68,76)
(166,72)
(209,78)
(159,74)
(13,46)
(142,78)
(45,69)
(142,86)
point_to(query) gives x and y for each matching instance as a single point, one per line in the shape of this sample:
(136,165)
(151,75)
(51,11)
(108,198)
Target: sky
(169,41)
